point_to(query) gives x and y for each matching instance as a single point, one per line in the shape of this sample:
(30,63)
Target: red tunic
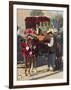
(26,52)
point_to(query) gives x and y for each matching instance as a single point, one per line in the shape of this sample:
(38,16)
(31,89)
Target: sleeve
(51,42)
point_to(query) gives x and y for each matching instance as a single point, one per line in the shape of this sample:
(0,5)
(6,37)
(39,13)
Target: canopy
(31,22)
(37,19)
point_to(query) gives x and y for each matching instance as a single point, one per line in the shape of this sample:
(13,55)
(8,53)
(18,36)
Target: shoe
(51,68)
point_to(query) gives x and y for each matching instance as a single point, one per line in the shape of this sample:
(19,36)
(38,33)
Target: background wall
(4,44)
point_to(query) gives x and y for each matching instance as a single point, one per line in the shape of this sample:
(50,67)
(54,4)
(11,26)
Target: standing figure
(51,51)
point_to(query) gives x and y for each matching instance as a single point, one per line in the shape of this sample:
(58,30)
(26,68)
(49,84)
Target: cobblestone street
(41,73)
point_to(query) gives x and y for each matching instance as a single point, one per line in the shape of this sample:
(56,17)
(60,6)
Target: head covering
(29,37)
(50,31)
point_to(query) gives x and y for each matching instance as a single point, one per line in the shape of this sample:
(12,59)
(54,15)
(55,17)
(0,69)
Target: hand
(46,43)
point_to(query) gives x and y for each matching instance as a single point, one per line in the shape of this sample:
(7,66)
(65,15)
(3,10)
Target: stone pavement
(41,73)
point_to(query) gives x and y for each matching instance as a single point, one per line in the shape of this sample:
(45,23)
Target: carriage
(37,26)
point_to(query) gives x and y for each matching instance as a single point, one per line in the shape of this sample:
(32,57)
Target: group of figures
(31,48)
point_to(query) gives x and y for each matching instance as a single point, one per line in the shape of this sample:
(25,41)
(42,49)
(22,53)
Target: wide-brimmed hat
(50,31)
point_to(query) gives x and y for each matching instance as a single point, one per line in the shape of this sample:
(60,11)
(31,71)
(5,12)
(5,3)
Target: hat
(29,37)
(50,31)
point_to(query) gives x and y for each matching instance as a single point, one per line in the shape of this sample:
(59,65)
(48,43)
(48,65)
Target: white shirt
(51,42)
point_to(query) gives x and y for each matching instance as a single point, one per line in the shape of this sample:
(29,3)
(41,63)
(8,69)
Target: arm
(51,42)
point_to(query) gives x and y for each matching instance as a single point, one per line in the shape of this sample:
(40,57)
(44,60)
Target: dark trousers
(51,59)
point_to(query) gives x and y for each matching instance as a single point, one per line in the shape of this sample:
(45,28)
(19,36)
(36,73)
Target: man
(51,50)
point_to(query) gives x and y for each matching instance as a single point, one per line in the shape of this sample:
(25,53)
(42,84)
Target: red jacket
(25,50)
